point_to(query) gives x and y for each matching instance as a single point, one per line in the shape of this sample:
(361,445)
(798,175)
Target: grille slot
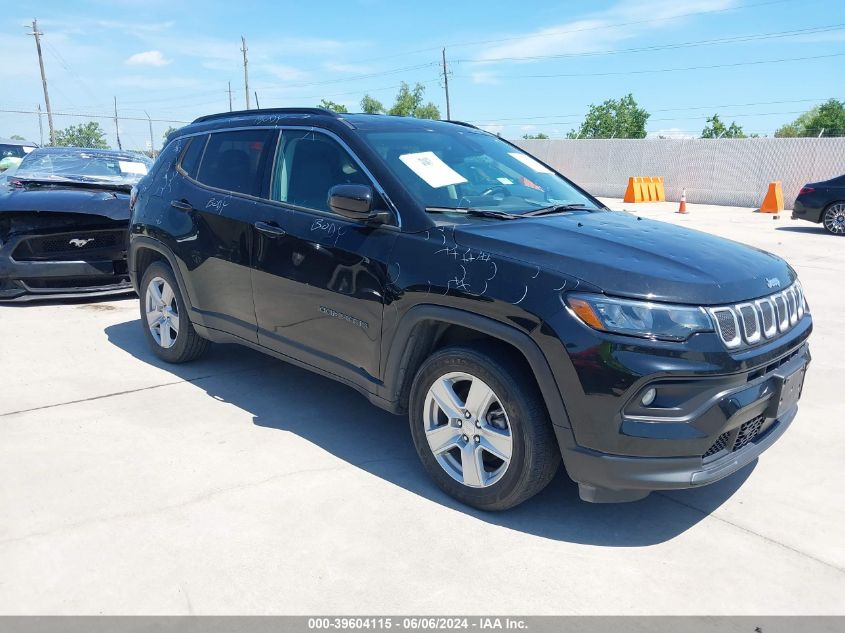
(750,322)
(728,327)
(769,319)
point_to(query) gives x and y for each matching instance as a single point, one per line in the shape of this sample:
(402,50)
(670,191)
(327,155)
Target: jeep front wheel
(480,428)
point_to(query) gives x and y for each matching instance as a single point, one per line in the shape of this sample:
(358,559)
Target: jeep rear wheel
(164,317)
(480,428)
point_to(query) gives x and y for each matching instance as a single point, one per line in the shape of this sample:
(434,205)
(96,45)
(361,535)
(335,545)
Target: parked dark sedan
(823,202)
(64,216)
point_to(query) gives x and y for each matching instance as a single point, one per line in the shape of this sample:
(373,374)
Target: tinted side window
(308,165)
(192,154)
(236,161)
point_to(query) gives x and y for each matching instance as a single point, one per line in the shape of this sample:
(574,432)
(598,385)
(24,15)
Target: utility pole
(230,96)
(152,138)
(244,49)
(37,34)
(446,86)
(257,106)
(40,127)
(116,128)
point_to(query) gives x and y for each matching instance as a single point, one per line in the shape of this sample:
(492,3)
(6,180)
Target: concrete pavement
(239,484)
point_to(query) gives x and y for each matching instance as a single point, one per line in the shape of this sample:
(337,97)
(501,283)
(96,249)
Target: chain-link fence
(732,172)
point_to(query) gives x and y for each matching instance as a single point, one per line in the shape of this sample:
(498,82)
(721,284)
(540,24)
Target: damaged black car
(63,223)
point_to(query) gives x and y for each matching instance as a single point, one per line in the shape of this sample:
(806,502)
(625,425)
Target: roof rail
(463,123)
(265,112)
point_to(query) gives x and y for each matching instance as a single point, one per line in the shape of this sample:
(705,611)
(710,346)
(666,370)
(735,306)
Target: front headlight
(639,318)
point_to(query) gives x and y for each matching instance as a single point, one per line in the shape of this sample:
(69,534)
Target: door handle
(182,205)
(270,229)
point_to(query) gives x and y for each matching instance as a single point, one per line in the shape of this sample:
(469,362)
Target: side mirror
(354,202)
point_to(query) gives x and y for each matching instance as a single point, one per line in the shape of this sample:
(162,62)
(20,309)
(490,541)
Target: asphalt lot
(240,484)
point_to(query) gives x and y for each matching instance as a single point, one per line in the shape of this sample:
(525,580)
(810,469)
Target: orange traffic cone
(682,208)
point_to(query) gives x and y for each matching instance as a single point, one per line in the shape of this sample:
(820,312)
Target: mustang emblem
(774,282)
(80,243)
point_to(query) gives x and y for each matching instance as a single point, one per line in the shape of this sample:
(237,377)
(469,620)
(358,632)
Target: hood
(638,258)
(56,199)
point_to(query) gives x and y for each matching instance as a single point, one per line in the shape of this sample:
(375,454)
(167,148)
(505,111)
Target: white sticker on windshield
(526,160)
(128,167)
(429,167)
(505,181)
(27,150)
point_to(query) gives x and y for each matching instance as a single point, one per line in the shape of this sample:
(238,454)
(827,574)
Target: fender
(399,354)
(138,241)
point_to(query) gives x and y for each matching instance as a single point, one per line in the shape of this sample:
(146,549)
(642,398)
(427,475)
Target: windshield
(468,169)
(82,166)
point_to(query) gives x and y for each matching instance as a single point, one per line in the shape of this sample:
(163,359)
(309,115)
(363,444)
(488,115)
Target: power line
(658,47)
(94,116)
(670,70)
(705,107)
(568,31)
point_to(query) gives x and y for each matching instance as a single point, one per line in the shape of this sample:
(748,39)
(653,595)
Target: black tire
(187,345)
(536,456)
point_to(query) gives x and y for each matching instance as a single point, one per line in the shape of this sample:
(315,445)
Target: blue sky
(173,59)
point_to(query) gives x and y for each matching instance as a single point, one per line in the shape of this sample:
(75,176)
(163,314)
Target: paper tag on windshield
(526,160)
(128,167)
(505,181)
(27,150)
(430,168)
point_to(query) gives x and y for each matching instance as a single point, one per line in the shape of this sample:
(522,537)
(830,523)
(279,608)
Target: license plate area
(791,385)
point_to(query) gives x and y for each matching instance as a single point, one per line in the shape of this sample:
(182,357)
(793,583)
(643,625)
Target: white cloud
(597,32)
(148,58)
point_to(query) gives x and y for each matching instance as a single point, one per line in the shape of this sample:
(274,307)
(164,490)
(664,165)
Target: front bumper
(27,275)
(617,478)
(715,412)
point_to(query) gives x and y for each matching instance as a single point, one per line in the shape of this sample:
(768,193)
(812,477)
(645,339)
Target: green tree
(170,130)
(83,135)
(537,136)
(615,118)
(716,129)
(331,105)
(408,102)
(371,105)
(17,137)
(827,119)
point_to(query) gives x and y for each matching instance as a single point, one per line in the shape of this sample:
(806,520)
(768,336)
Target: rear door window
(237,161)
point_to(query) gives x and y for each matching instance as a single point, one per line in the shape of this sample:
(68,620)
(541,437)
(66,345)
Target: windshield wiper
(559,208)
(78,181)
(481,213)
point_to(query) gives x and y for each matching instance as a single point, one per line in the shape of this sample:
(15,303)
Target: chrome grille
(750,323)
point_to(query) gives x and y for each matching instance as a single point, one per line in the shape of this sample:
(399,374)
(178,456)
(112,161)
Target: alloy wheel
(834,218)
(162,312)
(468,430)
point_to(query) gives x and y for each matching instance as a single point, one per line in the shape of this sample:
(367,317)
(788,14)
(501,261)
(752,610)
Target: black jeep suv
(447,275)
